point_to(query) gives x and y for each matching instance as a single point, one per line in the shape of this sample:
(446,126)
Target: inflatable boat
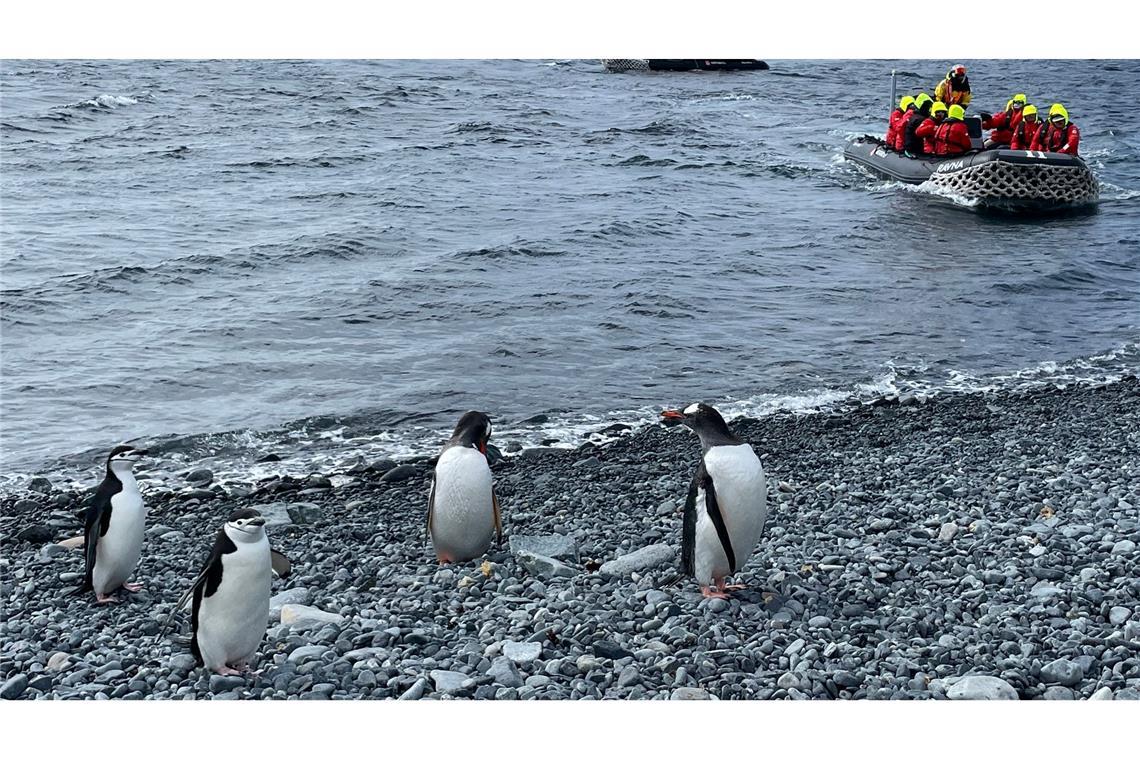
(997,178)
(682,64)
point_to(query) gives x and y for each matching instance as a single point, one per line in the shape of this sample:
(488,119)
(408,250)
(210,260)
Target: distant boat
(683,64)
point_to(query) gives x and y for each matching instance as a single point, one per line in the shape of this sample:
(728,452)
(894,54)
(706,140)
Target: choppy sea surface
(325,260)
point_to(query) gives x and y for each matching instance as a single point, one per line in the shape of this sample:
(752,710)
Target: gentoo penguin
(727,502)
(463,511)
(113,527)
(231,595)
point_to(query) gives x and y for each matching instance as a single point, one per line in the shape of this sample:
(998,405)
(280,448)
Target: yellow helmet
(938,106)
(1029,110)
(1058,110)
(1018,99)
(921,100)
(957,112)
(906,102)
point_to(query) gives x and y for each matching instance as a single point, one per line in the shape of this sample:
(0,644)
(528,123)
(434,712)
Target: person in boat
(898,116)
(1005,122)
(927,129)
(954,90)
(1025,133)
(1060,135)
(952,137)
(909,142)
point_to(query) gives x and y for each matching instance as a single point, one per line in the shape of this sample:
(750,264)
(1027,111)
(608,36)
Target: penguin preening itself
(113,527)
(231,595)
(463,511)
(727,502)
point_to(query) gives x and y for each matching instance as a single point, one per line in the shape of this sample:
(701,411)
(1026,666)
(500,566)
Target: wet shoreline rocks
(965,547)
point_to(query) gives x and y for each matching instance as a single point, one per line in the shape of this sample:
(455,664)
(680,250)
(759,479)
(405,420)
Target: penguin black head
(246,525)
(122,458)
(703,420)
(473,429)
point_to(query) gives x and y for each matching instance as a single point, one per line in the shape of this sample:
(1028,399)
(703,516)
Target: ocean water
(331,259)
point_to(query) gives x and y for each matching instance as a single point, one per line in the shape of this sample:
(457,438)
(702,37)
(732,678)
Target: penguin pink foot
(731,587)
(710,593)
(105,599)
(227,671)
(133,587)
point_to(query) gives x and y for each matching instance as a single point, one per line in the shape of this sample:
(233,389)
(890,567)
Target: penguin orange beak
(483,448)
(672,414)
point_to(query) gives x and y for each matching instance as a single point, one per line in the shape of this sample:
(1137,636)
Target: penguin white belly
(232,622)
(463,515)
(741,494)
(709,560)
(118,551)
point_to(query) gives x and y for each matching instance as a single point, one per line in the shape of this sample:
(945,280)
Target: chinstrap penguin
(114,524)
(231,596)
(463,511)
(727,502)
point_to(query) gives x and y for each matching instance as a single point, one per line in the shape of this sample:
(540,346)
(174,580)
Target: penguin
(463,511)
(113,528)
(727,502)
(231,596)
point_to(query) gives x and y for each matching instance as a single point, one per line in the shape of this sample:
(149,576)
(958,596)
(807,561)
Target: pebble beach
(956,546)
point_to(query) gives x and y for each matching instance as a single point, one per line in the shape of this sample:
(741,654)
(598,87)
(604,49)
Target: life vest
(1024,135)
(897,116)
(951,138)
(911,142)
(1003,125)
(1063,140)
(926,131)
(951,96)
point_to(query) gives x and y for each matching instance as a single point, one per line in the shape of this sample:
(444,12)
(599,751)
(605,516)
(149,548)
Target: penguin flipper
(206,581)
(97,519)
(431,509)
(689,524)
(713,508)
(281,564)
(498,516)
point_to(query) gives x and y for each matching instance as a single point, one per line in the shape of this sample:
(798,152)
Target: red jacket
(900,128)
(1063,140)
(926,131)
(893,126)
(951,138)
(1025,134)
(1003,125)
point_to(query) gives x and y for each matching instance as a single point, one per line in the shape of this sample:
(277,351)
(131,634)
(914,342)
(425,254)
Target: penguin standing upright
(463,511)
(727,502)
(231,595)
(113,527)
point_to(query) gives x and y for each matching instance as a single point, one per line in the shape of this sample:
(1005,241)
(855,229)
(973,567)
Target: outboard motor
(974,127)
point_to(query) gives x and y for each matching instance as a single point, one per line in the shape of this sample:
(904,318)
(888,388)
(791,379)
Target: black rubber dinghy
(999,178)
(683,64)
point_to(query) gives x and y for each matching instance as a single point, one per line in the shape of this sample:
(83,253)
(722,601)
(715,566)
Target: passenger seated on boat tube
(1061,135)
(912,143)
(954,90)
(898,116)
(927,128)
(1026,131)
(952,138)
(1005,122)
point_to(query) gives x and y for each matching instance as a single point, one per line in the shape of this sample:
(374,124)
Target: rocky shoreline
(957,547)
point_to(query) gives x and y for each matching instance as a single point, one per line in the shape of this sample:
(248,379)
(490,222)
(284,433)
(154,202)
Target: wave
(334,445)
(508,252)
(246,263)
(106,102)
